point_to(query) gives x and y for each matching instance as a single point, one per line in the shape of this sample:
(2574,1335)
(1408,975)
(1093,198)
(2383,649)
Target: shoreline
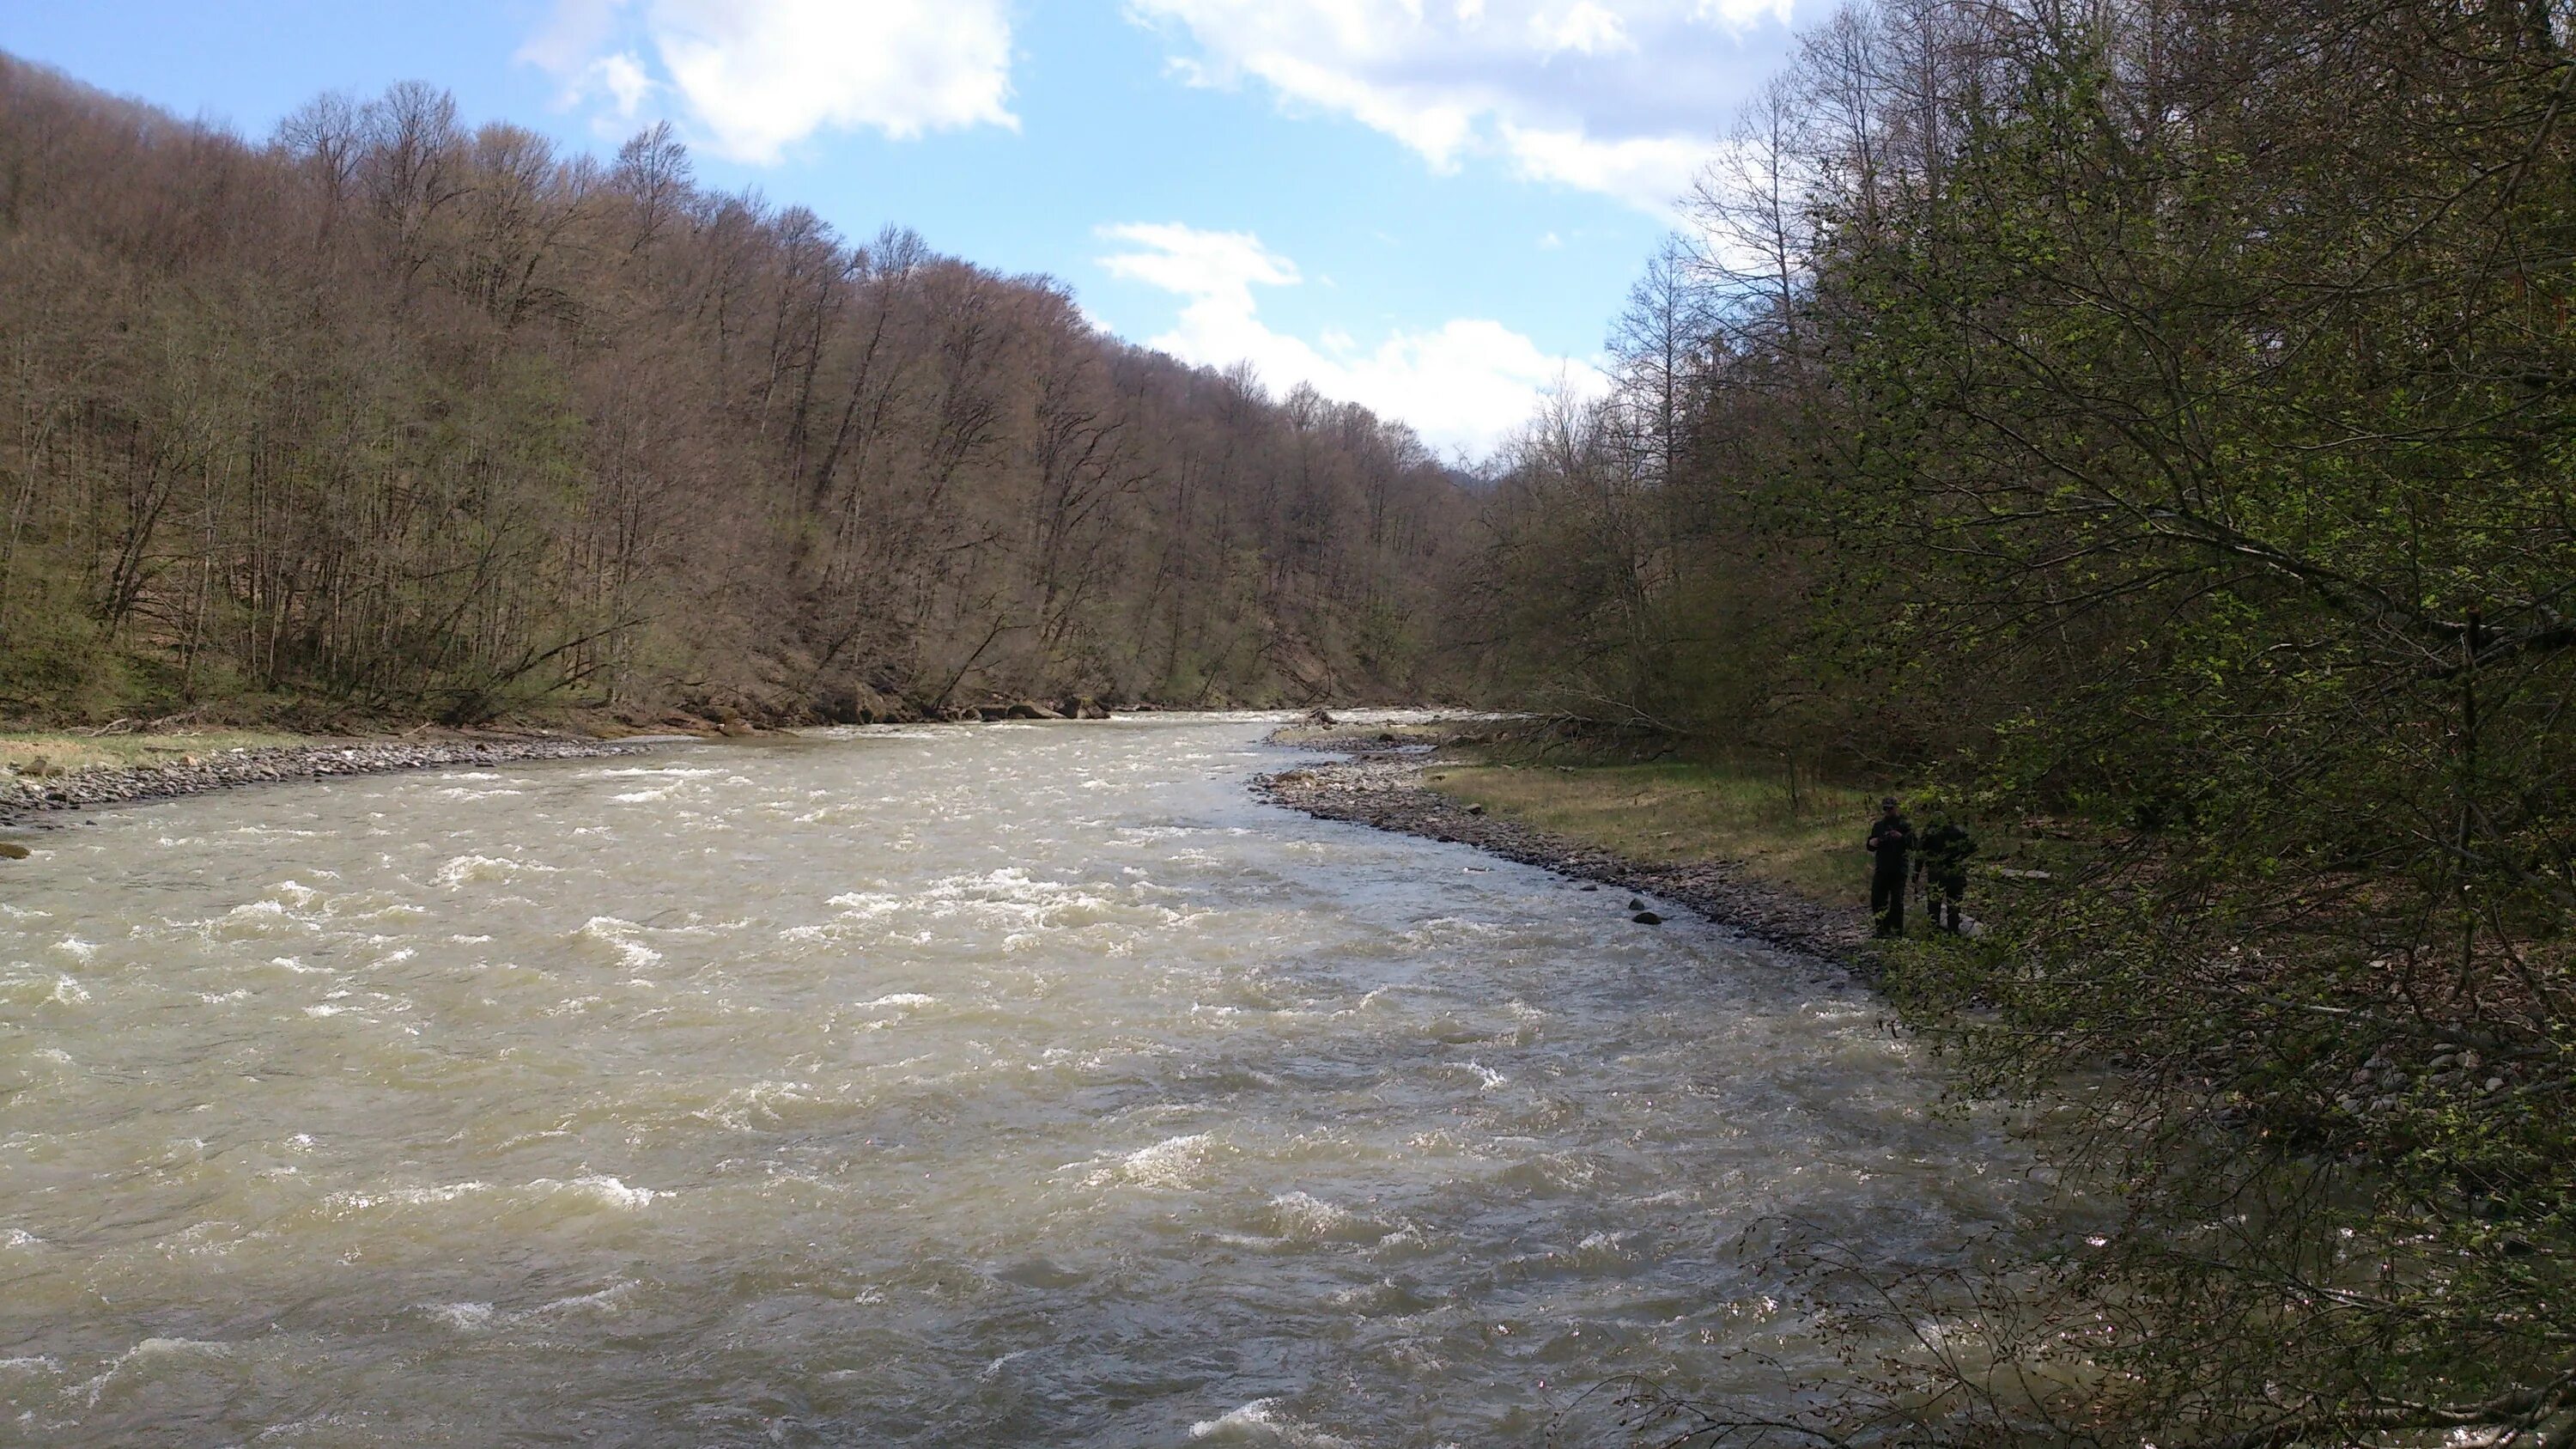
(1379,784)
(25,801)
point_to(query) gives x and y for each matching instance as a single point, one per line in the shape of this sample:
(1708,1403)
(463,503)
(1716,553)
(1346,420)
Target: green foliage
(2164,442)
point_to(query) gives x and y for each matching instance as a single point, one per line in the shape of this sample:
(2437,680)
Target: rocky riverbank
(24,797)
(1378,783)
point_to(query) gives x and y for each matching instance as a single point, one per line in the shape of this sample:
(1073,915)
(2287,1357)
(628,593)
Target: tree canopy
(2149,423)
(386,415)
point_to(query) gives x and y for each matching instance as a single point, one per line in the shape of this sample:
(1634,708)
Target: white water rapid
(1020,1084)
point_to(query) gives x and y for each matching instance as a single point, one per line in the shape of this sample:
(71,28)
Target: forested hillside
(388,417)
(2149,427)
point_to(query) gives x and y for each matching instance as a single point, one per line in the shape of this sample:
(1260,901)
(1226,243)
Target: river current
(1019,1084)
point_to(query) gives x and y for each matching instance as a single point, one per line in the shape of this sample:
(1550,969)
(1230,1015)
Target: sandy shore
(24,800)
(1379,784)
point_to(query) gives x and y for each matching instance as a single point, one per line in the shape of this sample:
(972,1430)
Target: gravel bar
(22,798)
(1380,785)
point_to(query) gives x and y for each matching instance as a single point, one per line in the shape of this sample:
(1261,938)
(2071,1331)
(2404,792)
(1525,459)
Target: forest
(386,419)
(2142,425)
(2145,429)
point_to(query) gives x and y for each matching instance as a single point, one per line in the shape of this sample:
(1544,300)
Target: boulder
(12,850)
(1647,918)
(735,729)
(1031,709)
(990,712)
(1320,717)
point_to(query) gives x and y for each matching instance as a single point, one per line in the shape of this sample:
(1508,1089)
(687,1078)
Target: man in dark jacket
(1944,867)
(1890,841)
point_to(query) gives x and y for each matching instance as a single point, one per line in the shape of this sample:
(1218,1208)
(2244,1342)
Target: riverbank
(1380,782)
(26,797)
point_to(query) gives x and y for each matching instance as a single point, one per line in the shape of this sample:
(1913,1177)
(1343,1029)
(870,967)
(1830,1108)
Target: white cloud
(1586,29)
(1464,386)
(622,77)
(757,76)
(1621,97)
(1649,172)
(1219,266)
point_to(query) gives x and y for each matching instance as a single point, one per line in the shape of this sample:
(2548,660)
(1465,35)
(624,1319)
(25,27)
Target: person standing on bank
(1891,840)
(1944,868)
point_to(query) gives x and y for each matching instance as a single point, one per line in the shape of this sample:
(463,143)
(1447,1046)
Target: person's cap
(1889,803)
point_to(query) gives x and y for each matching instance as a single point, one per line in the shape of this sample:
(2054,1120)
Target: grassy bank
(43,753)
(1670,814)
(1664,813)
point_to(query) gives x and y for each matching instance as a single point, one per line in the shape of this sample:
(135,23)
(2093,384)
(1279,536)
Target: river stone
(12,850)
(1647,918)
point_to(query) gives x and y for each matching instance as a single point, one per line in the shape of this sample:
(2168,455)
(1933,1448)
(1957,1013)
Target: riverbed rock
(193,774)
(1647,918)
(734,729)
(12,850)
(1031,709)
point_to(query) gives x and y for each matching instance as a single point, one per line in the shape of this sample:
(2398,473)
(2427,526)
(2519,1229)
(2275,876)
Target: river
(1018,1084)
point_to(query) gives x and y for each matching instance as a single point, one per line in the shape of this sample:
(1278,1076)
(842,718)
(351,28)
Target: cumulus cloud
(756,76)
(1651,171)
(1463,386)
(1620,97)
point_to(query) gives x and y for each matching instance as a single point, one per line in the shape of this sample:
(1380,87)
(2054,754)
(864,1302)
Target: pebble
(1379,784)
(194,774)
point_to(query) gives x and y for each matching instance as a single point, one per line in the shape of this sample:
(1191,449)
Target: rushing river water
(1024,1084)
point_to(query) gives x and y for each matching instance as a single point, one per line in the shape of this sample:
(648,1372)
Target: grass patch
(1669,813)
(47,752)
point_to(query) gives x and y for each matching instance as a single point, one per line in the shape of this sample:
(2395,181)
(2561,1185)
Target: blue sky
(1431,206)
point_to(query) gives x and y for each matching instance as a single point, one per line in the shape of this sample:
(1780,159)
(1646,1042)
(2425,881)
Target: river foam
(906,1086)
